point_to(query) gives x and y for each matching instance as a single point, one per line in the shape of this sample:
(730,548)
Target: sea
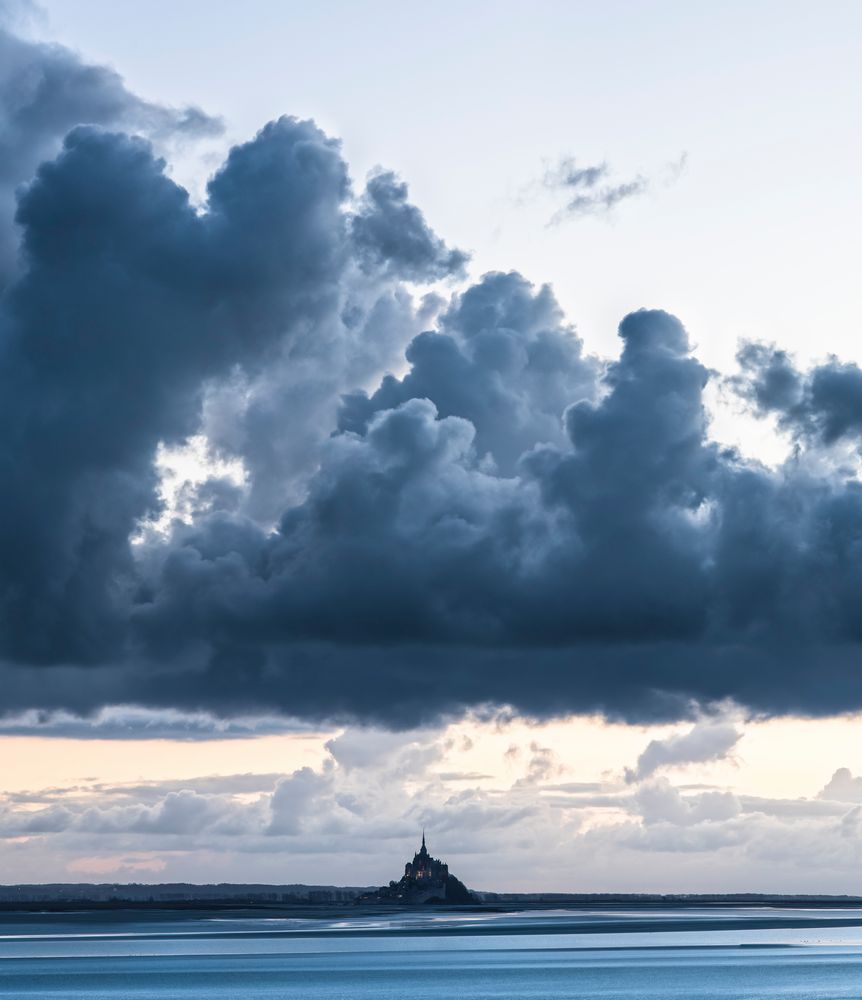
(688,953)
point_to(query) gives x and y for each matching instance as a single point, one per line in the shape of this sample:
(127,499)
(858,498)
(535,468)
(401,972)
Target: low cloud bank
(353,816)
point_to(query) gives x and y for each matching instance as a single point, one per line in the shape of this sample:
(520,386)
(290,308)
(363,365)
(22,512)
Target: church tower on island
(425,880)
(424,869)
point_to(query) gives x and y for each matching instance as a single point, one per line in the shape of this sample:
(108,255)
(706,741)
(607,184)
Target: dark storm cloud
(123,722)
(130,301)
(503,358)
(631,568)
(45,90)
(389,231)
(506,521)
(823,404)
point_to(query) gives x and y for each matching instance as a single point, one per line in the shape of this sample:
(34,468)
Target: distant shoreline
(327,901)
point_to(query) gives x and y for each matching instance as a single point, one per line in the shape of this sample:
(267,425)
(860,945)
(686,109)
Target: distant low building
(425,880)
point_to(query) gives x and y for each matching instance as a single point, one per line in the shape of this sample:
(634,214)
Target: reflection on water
(697,953)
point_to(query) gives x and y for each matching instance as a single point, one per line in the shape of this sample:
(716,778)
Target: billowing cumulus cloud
(842,787)
(46,90)
(659,803)
(822,406)
(442,500)
(390,232)
(130,302)
(503,358)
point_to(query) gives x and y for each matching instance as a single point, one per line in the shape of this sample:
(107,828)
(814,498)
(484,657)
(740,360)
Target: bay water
(648,954)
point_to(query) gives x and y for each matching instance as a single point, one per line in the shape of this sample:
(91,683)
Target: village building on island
(425,880)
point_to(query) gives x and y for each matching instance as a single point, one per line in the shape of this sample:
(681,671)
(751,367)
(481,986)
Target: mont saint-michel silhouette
(425,880)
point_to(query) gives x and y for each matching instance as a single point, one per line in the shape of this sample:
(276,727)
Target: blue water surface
(741,954)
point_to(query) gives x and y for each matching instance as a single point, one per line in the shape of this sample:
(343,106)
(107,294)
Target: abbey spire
(425,880)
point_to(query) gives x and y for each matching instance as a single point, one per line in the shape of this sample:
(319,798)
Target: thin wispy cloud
(131,722)
(593,189)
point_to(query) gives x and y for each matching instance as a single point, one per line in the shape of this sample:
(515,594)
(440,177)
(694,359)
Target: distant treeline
(177,893)
(187,895)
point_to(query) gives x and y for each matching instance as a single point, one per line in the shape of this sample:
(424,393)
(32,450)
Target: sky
(431,417)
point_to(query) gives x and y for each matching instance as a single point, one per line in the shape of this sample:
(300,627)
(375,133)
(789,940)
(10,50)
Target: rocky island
(425,880)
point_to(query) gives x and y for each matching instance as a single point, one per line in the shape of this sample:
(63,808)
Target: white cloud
(842,787)
(704,742)
(354,816)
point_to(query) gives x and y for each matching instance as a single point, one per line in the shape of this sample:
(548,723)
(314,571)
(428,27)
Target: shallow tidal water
(652,955)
